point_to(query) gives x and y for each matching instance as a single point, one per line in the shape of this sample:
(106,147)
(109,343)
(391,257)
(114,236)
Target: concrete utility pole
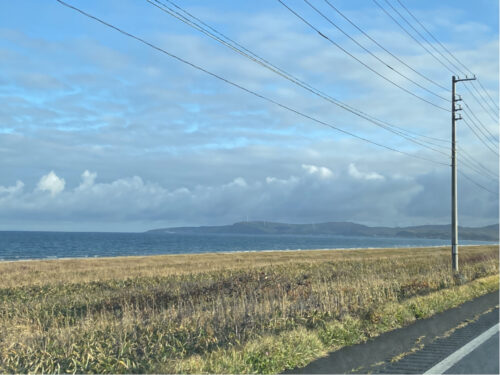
(454,220)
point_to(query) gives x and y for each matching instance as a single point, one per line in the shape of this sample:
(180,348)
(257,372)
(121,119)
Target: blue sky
(100,132)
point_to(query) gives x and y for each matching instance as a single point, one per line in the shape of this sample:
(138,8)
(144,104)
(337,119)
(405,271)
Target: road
(482,360)
(472,349)
(426,343)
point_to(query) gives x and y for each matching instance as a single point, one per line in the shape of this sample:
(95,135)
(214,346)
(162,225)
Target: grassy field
(233,313)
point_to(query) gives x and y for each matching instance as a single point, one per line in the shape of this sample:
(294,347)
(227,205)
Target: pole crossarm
(458,79)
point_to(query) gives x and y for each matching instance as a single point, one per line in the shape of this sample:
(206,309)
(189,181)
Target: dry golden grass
(41,272)
(147,314)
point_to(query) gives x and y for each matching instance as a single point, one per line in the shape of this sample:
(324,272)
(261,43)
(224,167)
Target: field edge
(297,348)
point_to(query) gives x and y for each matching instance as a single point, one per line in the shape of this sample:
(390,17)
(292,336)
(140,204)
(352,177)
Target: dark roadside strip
(400,347)
(425,358)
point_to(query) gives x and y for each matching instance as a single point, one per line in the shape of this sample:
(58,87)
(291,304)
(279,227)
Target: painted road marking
(449,361)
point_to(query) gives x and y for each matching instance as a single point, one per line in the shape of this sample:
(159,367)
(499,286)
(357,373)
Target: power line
(385,49)
(256,94)
(372,54)
(485,101)
(479,102)
(257,59)
(471,112)
(477,184)
(283,106)
(484,135)
(442,46)
(466,163)
(487,94)
(463,153)
(412,37)
(432,36)
(472,166)
(358,60)
(423,37)
(479,137)
(450,53)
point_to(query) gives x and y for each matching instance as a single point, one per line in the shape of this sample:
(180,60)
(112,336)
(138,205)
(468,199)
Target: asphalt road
(482,360)
(442,353)
(467,322)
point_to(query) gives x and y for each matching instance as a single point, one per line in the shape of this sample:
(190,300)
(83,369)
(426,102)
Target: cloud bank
(314,194)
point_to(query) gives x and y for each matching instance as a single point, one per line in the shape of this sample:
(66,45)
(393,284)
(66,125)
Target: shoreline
(236,252)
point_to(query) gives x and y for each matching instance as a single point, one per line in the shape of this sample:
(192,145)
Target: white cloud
(354,172)
(88,179)
(18,187)
(52,183)
(239,181)
(274,180)
(323,172)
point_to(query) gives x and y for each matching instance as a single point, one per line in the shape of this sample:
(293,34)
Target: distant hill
(487,233)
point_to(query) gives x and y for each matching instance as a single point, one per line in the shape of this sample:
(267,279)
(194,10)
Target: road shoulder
(376,354)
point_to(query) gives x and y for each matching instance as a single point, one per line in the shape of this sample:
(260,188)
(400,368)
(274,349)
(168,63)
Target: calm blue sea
(51,245)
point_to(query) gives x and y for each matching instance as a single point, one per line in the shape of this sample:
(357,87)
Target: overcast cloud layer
(99,132)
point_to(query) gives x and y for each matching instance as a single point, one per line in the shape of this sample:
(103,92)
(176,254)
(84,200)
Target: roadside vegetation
(221,313)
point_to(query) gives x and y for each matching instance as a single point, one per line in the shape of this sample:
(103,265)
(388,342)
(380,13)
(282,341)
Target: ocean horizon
(31,245)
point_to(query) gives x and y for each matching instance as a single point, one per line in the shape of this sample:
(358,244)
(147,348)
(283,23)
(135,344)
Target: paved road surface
(483,360)
(375,355)
(442,353)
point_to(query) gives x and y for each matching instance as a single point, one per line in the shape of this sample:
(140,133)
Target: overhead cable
(469,111)
(412,37)
(373,55)
(358,60)
(478,136)
(481,99)
(479,102)
(385,49)
(404,133)
(495,105)
(457,69)
(444,48)
(259,95)
(432,36)
(477,183)
(473,168)
(463,153)
(488,95)
(214,75)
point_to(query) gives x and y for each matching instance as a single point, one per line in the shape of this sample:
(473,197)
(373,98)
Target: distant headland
(486,233)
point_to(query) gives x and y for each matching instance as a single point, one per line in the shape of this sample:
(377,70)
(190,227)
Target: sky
(100,132)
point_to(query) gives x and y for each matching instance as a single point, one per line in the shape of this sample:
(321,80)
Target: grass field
(234,313)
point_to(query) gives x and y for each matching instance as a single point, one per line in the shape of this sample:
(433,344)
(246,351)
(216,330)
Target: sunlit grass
(227,312)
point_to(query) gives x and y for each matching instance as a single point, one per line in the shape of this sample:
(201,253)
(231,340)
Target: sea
(18,245)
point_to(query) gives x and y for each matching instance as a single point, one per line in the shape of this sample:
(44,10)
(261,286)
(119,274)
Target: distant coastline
(486,233)
(56,245)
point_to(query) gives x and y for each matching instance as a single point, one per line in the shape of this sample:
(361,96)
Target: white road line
(449,361)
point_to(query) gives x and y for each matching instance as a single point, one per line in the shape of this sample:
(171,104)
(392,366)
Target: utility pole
(454,220)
